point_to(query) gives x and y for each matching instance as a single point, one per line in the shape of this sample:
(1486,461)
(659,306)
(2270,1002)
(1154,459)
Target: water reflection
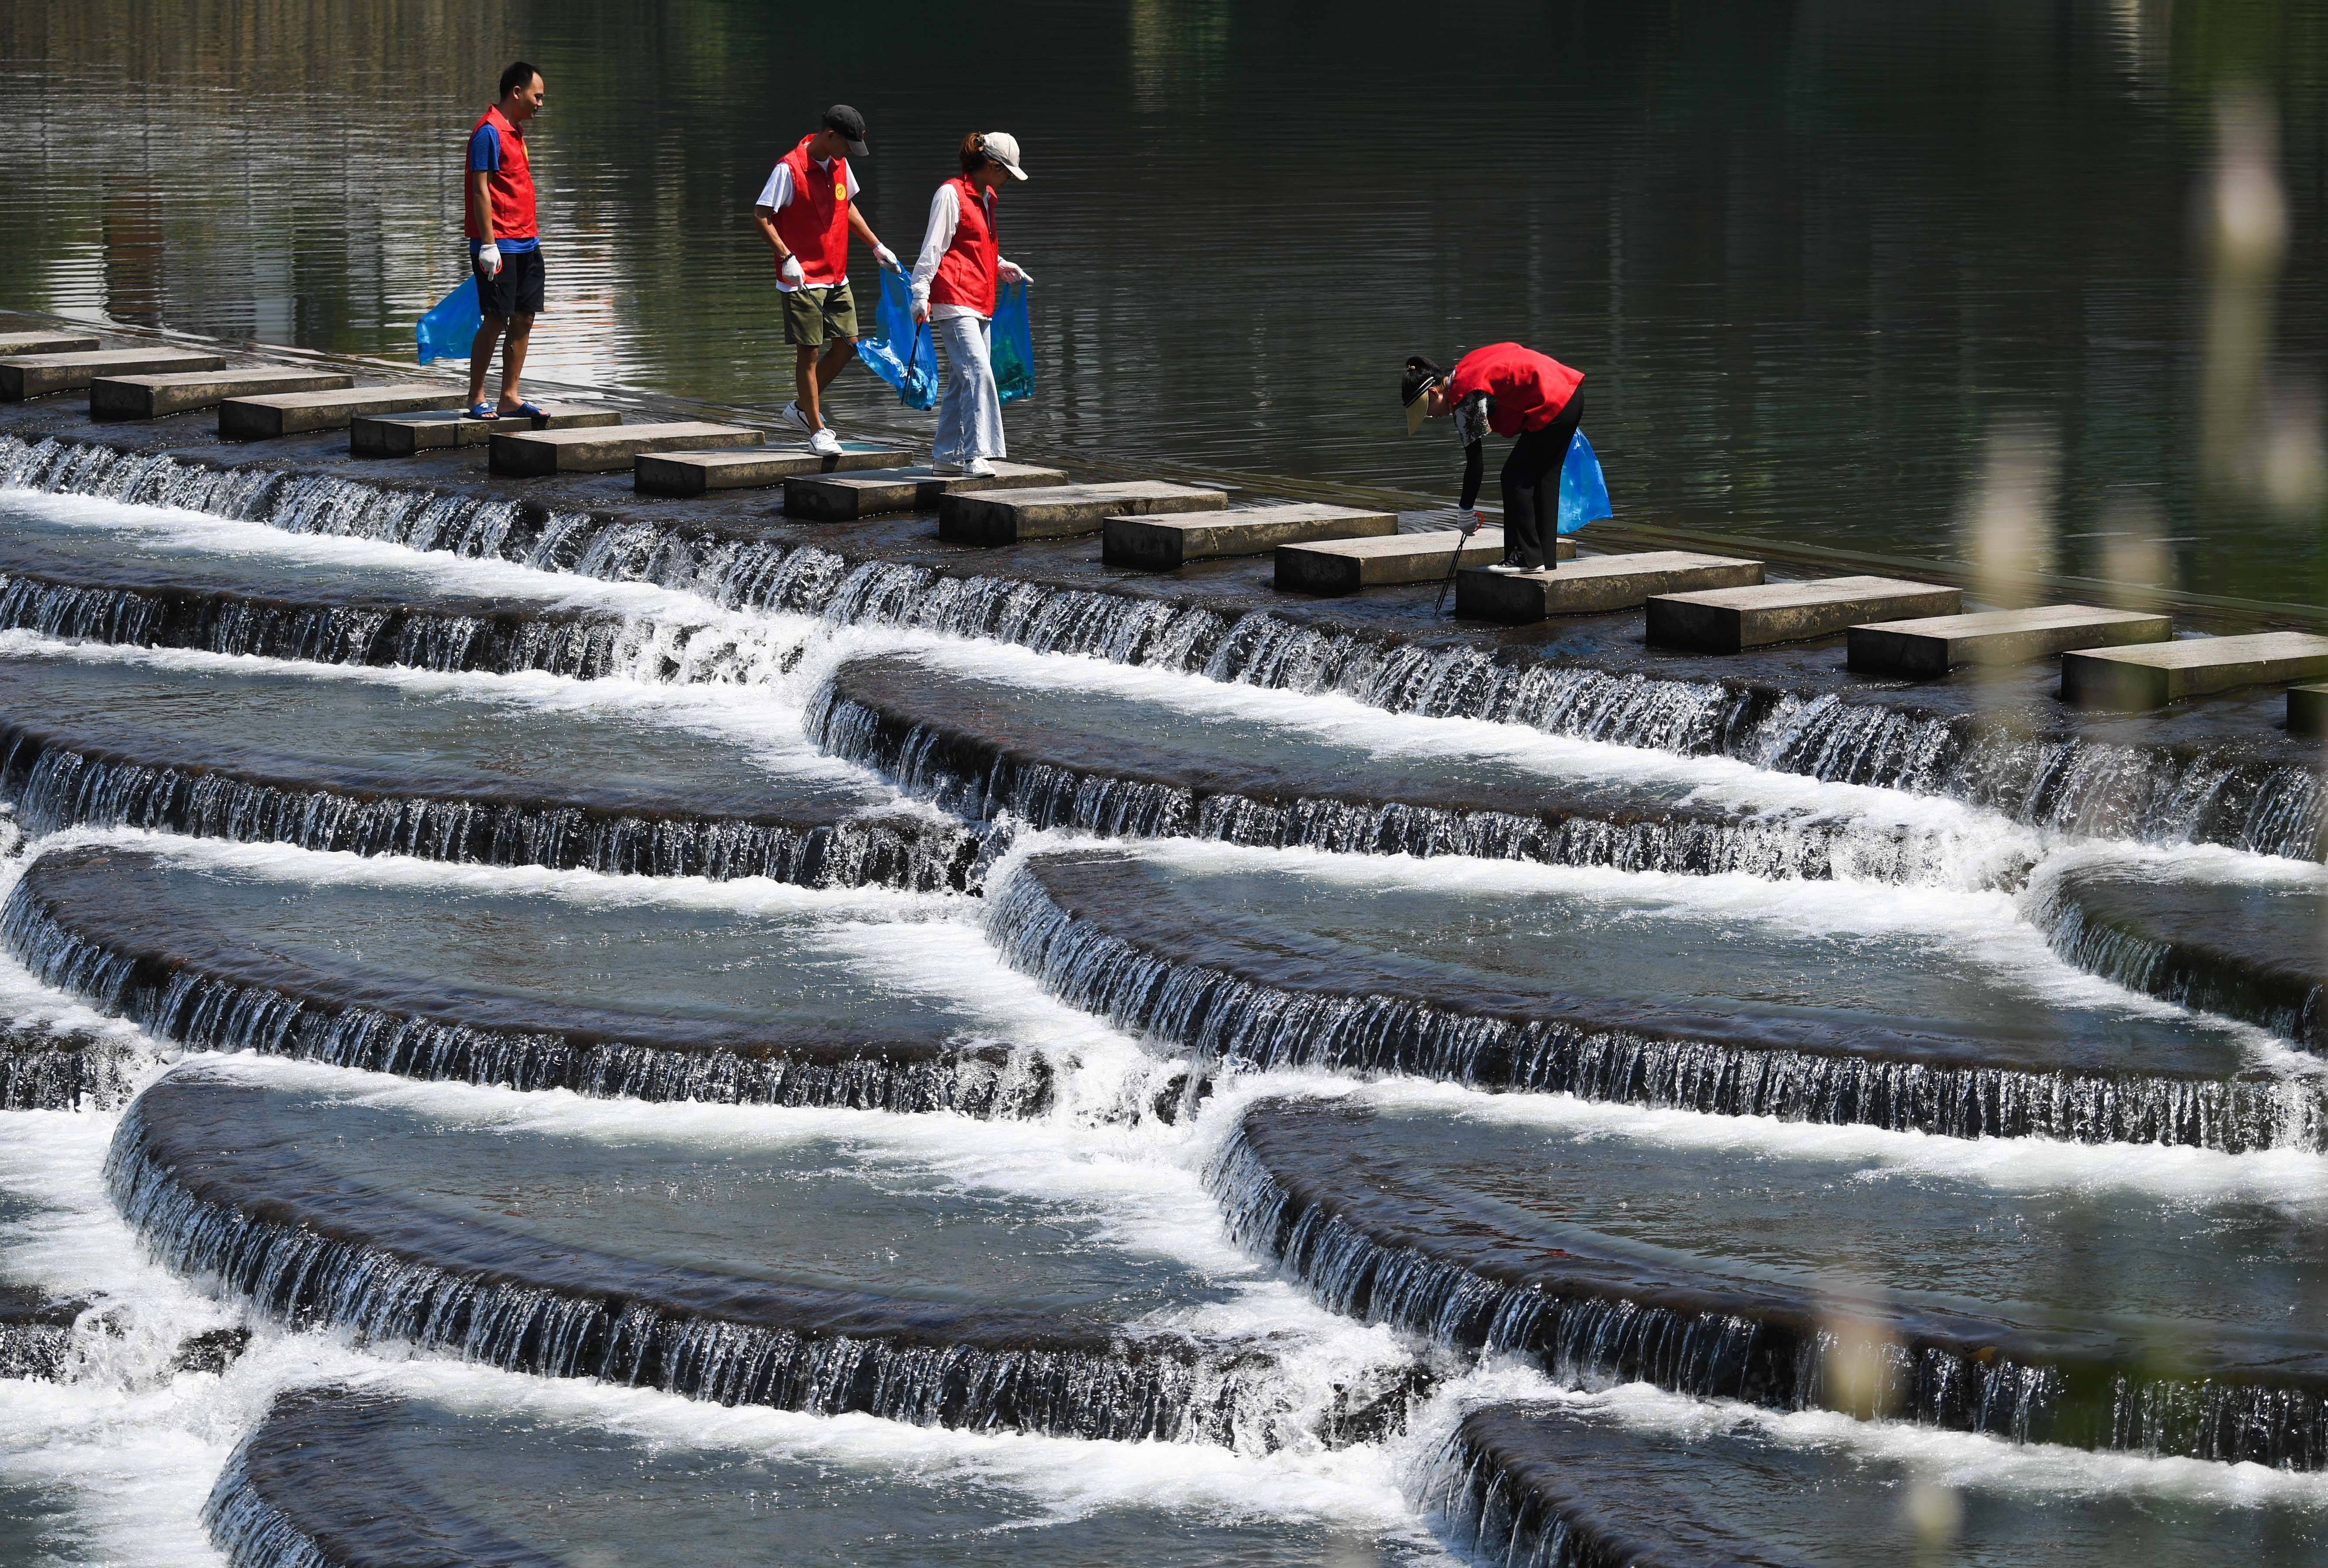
(1811,253)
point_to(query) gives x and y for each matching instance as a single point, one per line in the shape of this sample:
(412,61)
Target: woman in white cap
(955,283)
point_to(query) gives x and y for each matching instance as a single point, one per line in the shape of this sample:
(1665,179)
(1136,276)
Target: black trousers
(1531,480)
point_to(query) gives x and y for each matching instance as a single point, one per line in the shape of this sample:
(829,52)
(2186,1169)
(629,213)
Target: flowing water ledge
(341,1477)
(77,569)
(1323,1190)
(278,757)
(1543,1485)
(1081,757)
(2199,936)
(722,1292)
(1248,962)
(52,1069)
(2218,771)
(35,1333)
(173,951)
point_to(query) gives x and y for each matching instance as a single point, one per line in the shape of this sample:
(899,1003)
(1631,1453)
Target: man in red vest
(808,210)
(504,241)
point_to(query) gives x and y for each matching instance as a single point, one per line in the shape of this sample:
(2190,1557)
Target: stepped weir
(1006,957)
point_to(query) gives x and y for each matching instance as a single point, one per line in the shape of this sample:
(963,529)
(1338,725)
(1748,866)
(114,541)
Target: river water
(1813,256)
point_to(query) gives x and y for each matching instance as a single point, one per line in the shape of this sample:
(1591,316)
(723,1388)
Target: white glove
(887,258)
(921,306)
(791,272)
(489,259)
(1011,272)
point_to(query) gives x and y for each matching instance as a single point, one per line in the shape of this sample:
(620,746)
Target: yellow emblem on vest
(840,190)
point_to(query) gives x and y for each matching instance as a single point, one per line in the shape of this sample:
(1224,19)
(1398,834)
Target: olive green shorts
(814,317)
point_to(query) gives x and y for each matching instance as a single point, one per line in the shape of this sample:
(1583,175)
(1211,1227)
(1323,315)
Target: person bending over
(807,210)
(1514,391)
(954,281)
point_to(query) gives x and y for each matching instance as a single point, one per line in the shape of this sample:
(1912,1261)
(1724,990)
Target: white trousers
(970,419)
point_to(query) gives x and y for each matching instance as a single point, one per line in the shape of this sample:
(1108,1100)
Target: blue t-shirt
(484,159)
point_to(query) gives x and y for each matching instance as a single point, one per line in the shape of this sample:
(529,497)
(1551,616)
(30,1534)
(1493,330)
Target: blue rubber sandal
(481,411)
(526,410)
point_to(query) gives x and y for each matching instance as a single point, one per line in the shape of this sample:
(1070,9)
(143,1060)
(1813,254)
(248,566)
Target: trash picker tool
(1440,604)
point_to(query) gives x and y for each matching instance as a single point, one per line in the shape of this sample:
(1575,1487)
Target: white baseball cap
(1003,148)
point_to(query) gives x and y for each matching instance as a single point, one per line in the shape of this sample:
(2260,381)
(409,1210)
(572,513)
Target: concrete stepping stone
(2307,709)
(26,376)
(1932,647)
(694,473)
(1345,566)
(181,391)
(278,413)
(1594,585)
(45,342)
(604,449)
(1728,620)
(846,497)
(1159,544)
(996,517)
(2151,676)
(428,429)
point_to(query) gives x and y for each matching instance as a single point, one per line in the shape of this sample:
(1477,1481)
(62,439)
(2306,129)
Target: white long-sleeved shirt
(945,217)
(778,194)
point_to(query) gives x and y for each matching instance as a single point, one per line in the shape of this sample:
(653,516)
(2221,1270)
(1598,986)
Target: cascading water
(2074,785)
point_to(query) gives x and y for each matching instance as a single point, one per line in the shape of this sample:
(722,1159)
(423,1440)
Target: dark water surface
(1811,255)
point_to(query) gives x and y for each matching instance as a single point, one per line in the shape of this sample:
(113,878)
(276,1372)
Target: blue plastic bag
(1583,492)
(447,331)
(903,355)
(1014,342)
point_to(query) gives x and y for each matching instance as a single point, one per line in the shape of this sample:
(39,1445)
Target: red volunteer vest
(510,186)
(814,224)
(1529,389)
(966,270)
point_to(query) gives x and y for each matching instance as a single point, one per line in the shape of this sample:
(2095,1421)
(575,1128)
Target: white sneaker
(791,415)
(978,468)
(945,470)
(824,444)
(1510,568)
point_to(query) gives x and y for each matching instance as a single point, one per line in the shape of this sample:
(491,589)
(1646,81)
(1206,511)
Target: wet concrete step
(2241,942)
(431,430)
(278,413)
(914,487)
(897,1270)
(1607,1253)
(603,450)
(1374,964)
(1732,620)
(1345,566)
(2132,679)
(14,344)
(155,397)
(1611,1480)
(998,517)
(983,733)
(25,376)
(1593,585)
(531,983)
(695,473)
(1926,649)
(463,774)
(353,1478)
(1160,544)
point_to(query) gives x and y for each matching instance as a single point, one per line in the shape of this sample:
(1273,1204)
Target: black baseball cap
(850,124)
